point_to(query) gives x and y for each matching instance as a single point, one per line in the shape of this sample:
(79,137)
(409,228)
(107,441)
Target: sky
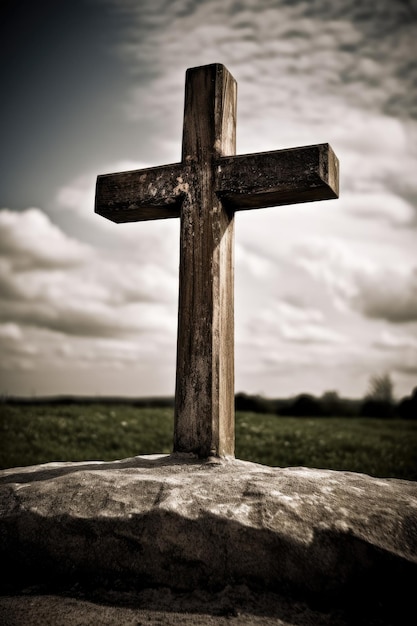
(325,292)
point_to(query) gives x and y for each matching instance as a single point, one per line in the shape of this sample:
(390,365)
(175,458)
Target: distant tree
(379,402)
(331,403)
(381,388)
(407,408)
(254,404)
(305,405)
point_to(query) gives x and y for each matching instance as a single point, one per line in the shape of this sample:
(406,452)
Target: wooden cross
(204,191)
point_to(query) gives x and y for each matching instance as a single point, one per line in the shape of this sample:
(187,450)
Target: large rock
(183,523)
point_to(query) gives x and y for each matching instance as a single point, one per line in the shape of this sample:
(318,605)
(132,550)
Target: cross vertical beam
(204,398)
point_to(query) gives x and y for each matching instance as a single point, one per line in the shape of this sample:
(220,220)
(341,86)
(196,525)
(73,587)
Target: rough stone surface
(181,523)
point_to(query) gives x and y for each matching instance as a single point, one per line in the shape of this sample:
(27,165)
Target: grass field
(33,434)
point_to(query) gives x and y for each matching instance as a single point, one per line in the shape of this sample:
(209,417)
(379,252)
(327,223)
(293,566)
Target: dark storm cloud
(389,33)
(374,42)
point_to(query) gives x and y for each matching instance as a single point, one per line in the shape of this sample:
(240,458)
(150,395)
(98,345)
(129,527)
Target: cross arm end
(138,195)
(253,181)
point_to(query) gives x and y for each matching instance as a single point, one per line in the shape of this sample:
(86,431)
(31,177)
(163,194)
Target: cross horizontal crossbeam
(247,181)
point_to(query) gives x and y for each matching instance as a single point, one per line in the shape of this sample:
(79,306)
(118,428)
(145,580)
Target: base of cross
(107,532)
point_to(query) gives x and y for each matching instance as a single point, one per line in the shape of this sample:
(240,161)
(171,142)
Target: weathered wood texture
(148,194)
(205,190)
(204,399)
(253,181)
(248,181)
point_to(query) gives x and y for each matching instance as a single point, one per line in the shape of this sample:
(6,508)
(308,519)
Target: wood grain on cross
(205,190)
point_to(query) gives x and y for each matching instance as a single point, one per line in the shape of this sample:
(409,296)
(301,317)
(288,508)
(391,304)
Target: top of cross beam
(210,101)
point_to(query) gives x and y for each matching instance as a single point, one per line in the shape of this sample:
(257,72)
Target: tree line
(378,402)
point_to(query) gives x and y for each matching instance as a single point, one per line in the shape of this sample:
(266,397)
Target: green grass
(379,447)
(76,432)
(34,434)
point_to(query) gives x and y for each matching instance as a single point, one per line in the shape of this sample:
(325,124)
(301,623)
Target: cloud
(67,307)
(87,318)
(59,284)
(250,260)
(381,206)
(29,240)
(399,352)
(380,292)
(294,324)
(393,341)
(389,295)
(10,332)
(335,47)
(17,352)
(312,333)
